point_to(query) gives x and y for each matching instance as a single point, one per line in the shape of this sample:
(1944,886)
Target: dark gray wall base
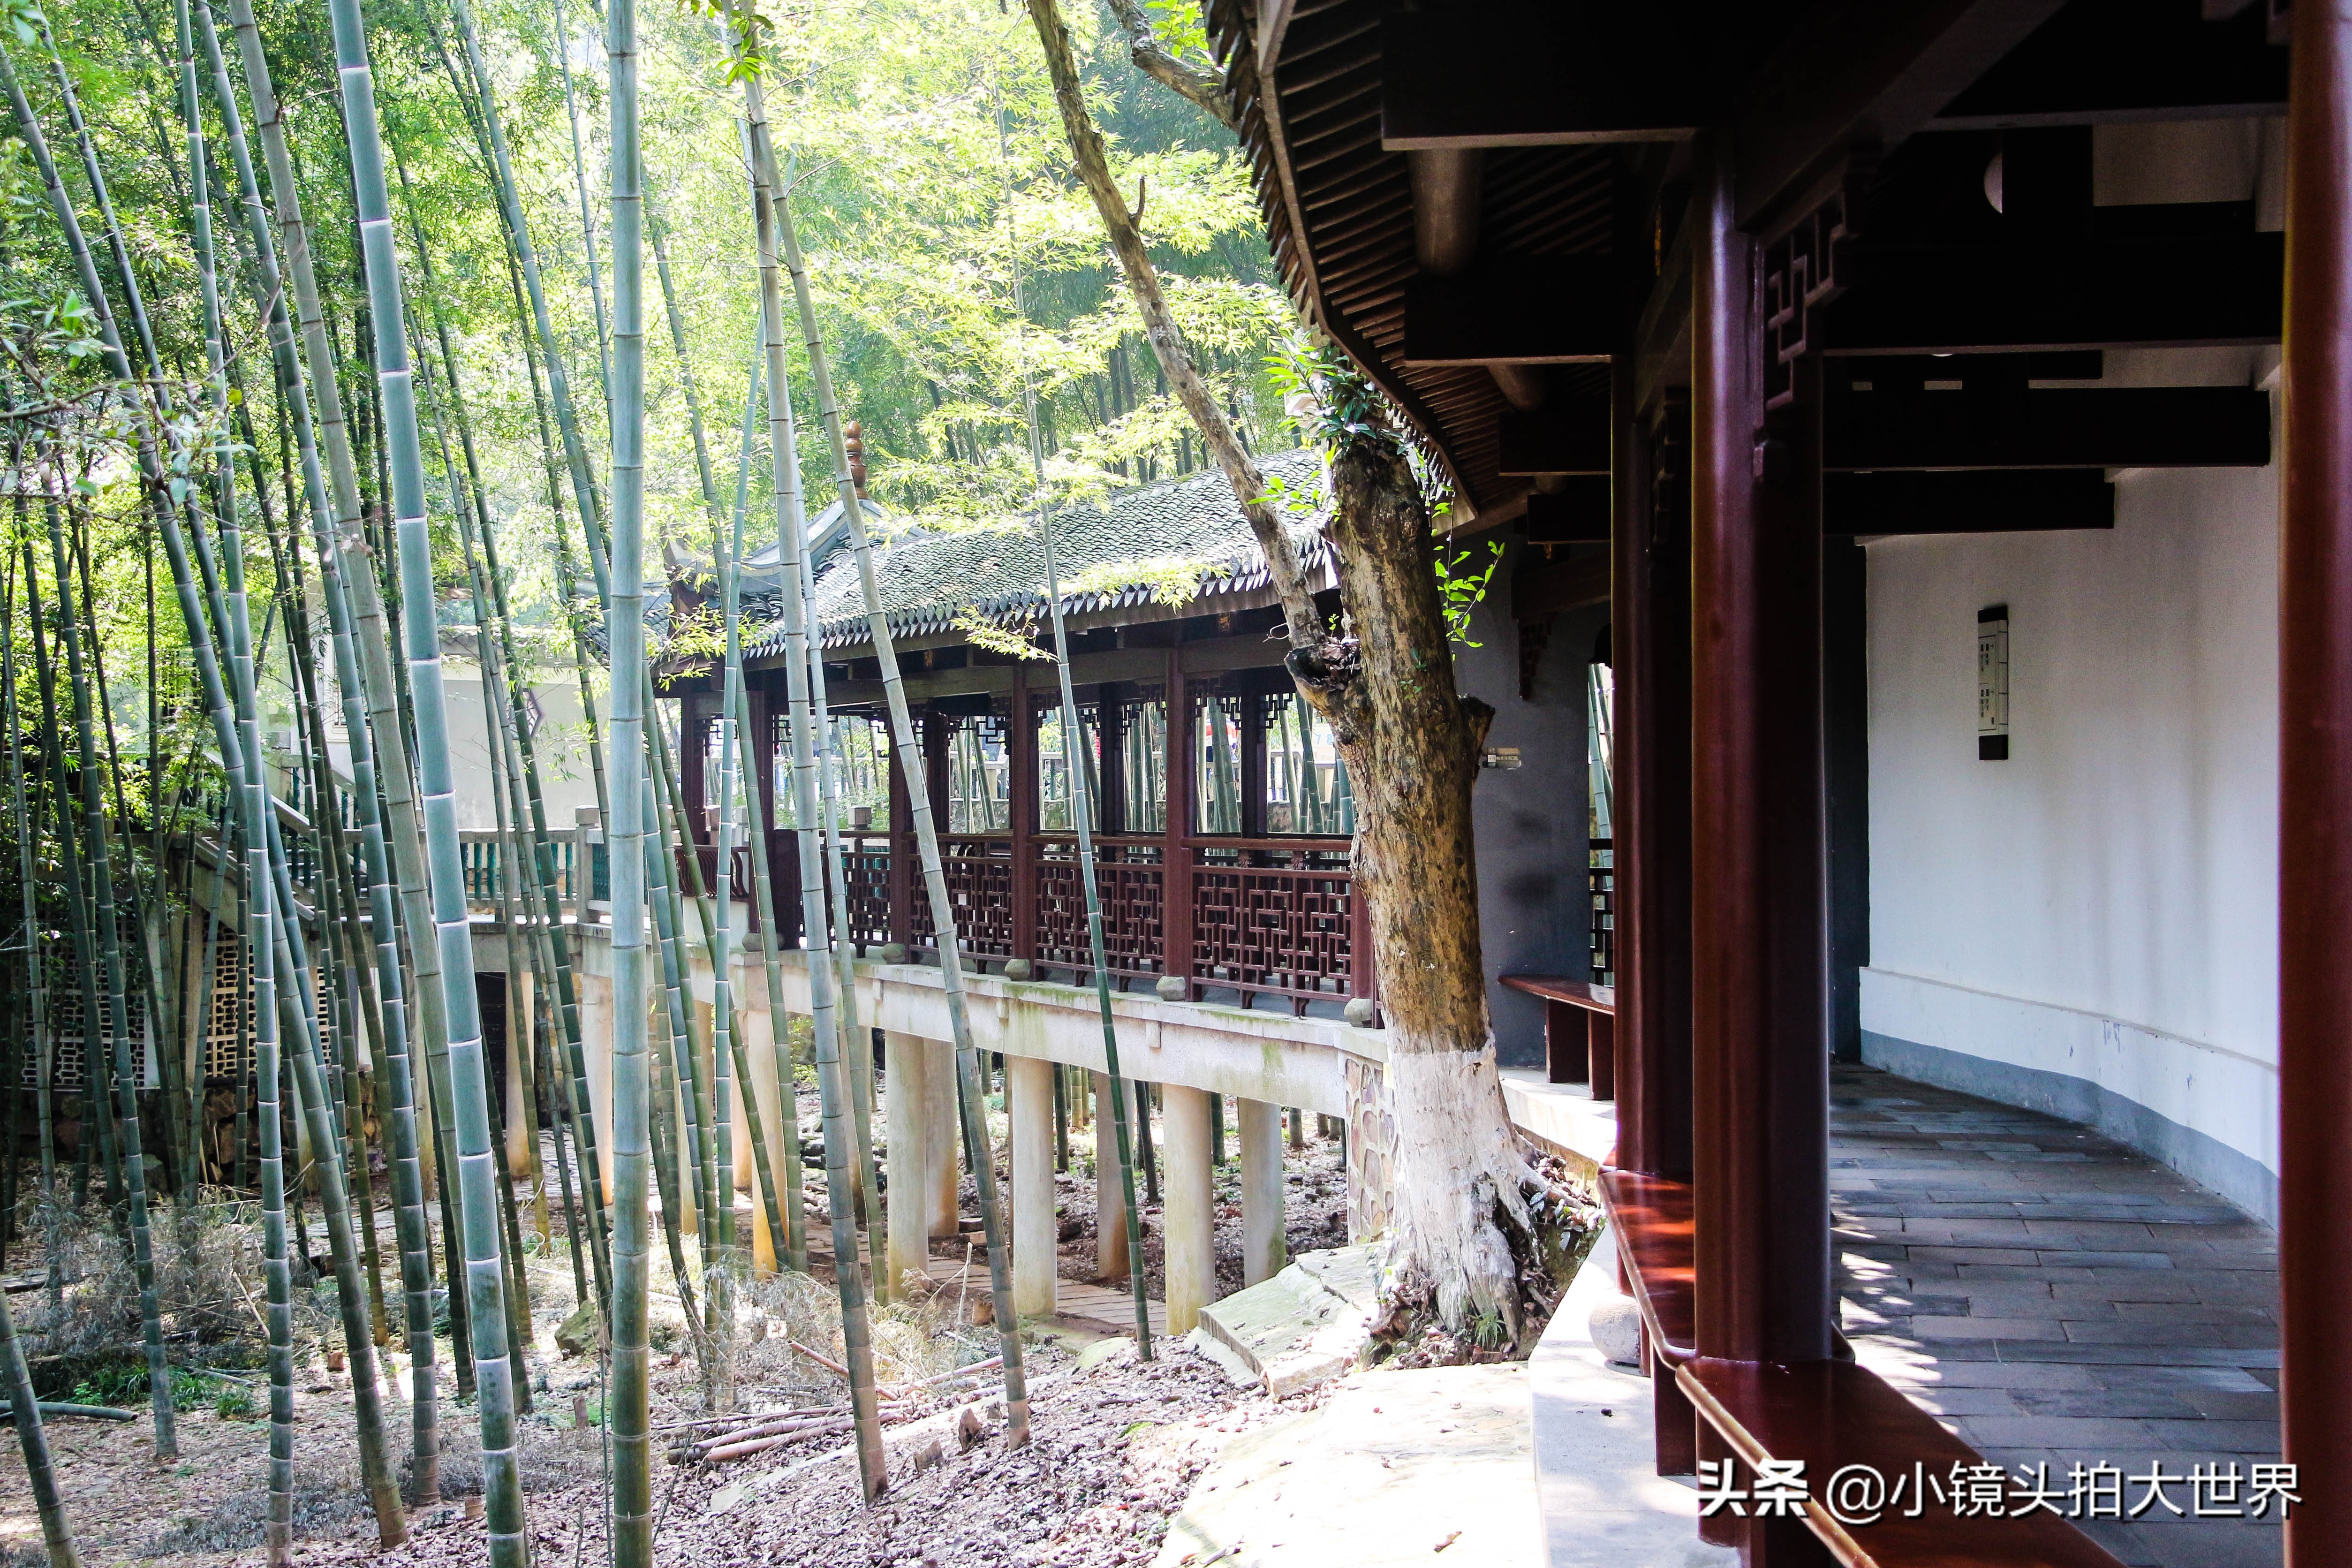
(2200,1156)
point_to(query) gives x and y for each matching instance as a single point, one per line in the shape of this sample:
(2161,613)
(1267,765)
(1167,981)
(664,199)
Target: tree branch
(1202,83)
(1289,578)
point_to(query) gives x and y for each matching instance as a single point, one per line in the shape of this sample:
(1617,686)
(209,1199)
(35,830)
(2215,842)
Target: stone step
(1309,1323)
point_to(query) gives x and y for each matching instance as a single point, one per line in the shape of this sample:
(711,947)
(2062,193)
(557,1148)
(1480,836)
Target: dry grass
(326,1498)
(209,1282)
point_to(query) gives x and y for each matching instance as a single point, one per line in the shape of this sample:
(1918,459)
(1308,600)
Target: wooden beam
(1540,75)
(2187,291)
(2134,427)
(1561,310)
(2112,61)
(1577,514)
(1862,73)
(1544,587)
(1982,501)
(1566,435)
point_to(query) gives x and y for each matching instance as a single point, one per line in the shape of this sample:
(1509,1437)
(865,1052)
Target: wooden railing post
(1176,857)
(695,712)
(1110,757)
(1021,748)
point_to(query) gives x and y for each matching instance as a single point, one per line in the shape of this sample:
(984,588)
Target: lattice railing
(1275,916)
(1133,883)
(979,871)
(865,881)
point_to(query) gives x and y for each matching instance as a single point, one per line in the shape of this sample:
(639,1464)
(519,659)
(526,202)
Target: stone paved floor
(2059,1299)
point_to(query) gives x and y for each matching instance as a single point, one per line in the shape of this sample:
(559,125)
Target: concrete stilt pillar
(906,1099)
(943,1137)
(759,1044)
(596,1051)
(1187,1213)
(1110,1216)
(517,1079)
(1029,1095)
(1264,1251)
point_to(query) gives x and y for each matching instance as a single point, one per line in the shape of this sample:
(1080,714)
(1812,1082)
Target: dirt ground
(1110,1458)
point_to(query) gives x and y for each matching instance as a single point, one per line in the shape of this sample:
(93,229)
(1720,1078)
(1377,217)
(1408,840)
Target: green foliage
(124,1386)
(996,638)
(1461,587)
(1326,399)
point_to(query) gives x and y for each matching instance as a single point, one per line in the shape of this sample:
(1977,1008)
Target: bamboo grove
(336,334)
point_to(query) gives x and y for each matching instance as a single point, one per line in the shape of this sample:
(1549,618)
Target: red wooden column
(696,712)
(1758,1020)
(1020,749)
(1648,641)
(903,851)
(1176,855)
(2315,787)
(1252,760)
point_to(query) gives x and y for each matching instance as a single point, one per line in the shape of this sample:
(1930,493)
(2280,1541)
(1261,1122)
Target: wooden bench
(1828,1413)
(1655,1222)
(1580,1029)
(1833,1413)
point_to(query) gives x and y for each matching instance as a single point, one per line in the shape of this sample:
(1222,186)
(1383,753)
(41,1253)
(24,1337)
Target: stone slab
(1308,1324)
(1397,1466)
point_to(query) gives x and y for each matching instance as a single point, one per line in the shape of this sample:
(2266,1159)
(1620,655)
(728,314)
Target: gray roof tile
(927,579)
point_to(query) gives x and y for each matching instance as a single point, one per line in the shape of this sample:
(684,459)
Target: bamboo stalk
(732,779)
(902,729)
(832,1078)
(508,1525)
(627,1415)
(57,1530)
(78,919)
(559,384)
(36,966)
(390,1012)
(378,677)
(109,941)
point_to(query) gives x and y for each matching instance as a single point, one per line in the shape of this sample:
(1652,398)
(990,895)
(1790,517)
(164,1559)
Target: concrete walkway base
(1603,1503)
(1397,1466)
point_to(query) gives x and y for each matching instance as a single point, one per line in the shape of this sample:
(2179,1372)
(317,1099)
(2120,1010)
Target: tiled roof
(927,579)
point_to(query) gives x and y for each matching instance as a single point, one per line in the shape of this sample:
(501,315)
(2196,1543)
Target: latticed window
(1306,787)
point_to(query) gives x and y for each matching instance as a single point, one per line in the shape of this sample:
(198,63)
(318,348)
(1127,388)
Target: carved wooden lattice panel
(866,879)
(979,883)
(1279,927)
(1129,879)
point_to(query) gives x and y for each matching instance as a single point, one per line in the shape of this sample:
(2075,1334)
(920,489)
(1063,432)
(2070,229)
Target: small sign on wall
(1992,684)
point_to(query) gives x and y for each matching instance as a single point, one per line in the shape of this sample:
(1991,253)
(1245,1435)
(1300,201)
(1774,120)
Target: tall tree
(1411,744)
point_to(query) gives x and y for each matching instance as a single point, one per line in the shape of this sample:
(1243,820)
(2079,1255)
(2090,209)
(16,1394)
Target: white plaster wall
(561,745)
(2102,905)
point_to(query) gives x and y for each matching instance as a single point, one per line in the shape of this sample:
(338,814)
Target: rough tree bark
(1197,80)
(1410,743)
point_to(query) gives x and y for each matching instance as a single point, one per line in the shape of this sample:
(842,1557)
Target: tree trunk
(1410,743)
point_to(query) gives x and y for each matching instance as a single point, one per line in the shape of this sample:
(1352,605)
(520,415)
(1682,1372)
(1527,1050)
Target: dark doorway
(490,996)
